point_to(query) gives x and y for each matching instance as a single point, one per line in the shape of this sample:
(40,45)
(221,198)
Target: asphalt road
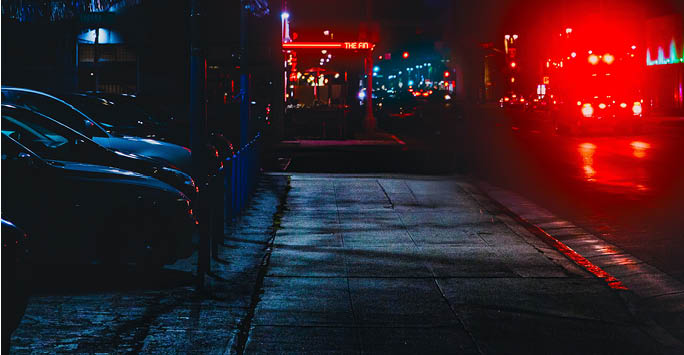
(627,189)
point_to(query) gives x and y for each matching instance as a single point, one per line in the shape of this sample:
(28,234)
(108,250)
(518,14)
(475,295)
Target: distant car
(55,141)
(401,107)
(67,114)
(543,104)
(513,101)
(16,276)
(80,213)
(614,112)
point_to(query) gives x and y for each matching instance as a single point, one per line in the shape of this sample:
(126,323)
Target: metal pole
(244,75)
(96,58)
(198,134)
(369,122)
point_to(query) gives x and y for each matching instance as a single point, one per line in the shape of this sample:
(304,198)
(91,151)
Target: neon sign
(661,59)
(327,45)
(356,45)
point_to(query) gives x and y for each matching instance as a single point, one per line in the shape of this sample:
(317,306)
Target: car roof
(43,93)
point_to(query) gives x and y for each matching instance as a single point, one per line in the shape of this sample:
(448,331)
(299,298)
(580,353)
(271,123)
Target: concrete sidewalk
(402,264)
(349,264)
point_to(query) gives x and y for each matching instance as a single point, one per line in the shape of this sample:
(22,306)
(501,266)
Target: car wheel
(126,242)
(149,249)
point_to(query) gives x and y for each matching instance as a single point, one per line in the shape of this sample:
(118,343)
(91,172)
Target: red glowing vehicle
(596,83)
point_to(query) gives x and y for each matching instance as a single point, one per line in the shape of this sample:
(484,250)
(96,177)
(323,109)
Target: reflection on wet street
(628,189)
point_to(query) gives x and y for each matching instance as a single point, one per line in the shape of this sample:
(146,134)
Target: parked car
(78,213)
(16,276)
(124,115)
(64,112)
(55,141)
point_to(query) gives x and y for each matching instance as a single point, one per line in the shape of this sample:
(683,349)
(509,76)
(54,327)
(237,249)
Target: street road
(627,189)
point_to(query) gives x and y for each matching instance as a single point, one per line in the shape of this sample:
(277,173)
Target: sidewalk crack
(245,324)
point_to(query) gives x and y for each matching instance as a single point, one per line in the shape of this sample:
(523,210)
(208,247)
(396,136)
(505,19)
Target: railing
(230,192)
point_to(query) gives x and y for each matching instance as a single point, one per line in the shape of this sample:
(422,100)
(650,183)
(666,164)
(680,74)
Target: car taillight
(587,110)
(506,99)
(636,108)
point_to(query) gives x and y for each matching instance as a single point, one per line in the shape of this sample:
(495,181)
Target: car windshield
(40,134)
(110,113)
(55,109)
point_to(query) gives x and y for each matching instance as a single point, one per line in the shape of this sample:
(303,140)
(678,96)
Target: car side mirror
(90,129)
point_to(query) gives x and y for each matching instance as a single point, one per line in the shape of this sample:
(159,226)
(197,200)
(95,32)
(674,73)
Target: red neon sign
(356,45)
(327,45)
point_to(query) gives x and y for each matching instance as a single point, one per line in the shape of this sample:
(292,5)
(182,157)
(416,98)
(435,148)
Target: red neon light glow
(313,45)
(326,45)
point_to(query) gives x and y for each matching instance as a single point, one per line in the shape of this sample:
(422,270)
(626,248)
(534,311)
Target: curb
(652,295)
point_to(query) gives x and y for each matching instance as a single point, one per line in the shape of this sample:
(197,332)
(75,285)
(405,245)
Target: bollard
(233,186)
(218,217)
(228,189)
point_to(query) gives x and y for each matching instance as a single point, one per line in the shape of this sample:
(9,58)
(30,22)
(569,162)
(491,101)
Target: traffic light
(513,64)
(405,55)
(446,74)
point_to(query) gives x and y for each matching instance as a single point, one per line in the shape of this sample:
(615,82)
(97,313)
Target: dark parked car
(16,274)
(80,213)
(124,115)
(55,141)
(67,114)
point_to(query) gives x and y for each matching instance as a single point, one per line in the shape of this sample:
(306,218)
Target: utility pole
(369,121)
(198,134)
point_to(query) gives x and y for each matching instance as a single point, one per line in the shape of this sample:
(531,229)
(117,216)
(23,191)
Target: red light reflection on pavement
(640,148)
(619,166)
(612,281)
(587,150)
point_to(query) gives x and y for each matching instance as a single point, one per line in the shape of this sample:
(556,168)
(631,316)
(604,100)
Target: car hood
(108,174)
(173,154)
